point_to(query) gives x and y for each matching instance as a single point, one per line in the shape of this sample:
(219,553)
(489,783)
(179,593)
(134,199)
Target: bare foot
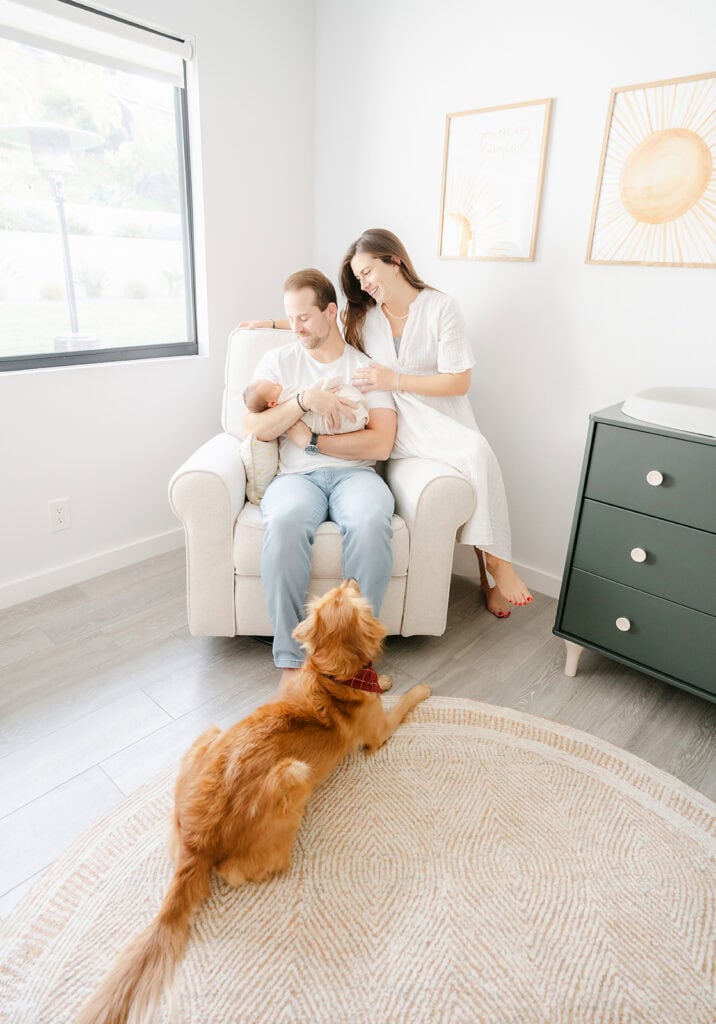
(507,580)
(494,598)
(496,603)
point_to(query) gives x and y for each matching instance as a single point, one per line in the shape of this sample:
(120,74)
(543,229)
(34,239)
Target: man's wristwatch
(312,446)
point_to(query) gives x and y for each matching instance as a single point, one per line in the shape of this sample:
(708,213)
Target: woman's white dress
(443,428)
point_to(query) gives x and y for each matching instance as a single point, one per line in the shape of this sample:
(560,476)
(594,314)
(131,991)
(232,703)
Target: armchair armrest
(206,494)
(434,500)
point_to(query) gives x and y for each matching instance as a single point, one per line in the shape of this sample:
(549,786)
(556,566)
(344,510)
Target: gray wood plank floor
(103,686)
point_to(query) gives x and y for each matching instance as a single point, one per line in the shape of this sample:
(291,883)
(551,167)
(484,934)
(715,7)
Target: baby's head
(261,395)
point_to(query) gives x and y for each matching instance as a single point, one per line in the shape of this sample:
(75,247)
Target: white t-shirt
(292,364)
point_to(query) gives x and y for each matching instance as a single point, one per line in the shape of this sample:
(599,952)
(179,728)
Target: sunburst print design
(657,201)
(493,167)
(474,223)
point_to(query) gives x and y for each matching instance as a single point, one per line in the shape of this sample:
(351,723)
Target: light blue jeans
(294,505)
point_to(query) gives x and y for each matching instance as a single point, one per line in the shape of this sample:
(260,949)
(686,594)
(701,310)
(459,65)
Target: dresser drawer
(680,563)
(667,637)
(622,458)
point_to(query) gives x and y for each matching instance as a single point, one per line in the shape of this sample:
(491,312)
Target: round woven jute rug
(485,867)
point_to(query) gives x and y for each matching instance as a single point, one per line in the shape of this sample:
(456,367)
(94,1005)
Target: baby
(265,394)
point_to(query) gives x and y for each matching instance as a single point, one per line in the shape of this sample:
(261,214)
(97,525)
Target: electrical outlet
(60,514)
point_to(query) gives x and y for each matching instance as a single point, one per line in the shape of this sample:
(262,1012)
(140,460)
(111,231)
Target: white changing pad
(690,409)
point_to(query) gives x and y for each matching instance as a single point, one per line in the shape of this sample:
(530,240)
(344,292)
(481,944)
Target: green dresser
(639,583)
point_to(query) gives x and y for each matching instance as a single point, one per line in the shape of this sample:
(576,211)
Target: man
(321,477)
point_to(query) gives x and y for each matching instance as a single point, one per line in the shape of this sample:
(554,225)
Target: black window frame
(79,357)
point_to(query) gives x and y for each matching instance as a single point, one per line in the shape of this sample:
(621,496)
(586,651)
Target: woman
(415,336)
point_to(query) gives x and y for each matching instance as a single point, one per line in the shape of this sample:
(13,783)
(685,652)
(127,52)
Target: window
(96,256)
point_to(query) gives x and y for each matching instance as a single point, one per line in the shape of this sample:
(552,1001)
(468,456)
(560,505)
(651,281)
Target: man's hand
(254,324)
(299,434)
(375,377)
(327,403)
(375,442)
(280,325)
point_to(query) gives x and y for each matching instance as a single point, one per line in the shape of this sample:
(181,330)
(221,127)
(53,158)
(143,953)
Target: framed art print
(655,202)
(493,169)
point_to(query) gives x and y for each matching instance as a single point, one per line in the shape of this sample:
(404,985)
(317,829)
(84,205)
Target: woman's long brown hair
(385,246)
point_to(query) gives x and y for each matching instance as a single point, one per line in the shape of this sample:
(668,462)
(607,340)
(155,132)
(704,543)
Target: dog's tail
(145,968)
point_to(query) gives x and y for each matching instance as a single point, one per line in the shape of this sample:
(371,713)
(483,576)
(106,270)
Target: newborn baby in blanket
(265,394)
(260,458)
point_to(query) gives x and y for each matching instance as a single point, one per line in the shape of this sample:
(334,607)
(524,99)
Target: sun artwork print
(492,181)
(656,197)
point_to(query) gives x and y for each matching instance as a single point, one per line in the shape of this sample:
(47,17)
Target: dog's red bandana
(366,679)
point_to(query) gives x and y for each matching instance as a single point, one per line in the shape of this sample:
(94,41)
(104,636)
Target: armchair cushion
(260,459)
(327,554)
(246,349)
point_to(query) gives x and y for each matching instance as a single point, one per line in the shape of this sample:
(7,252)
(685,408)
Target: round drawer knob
(623,624)
(638,555)
(655,478)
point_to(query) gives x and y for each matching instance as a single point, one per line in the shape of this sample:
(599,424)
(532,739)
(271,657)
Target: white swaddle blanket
(317,422)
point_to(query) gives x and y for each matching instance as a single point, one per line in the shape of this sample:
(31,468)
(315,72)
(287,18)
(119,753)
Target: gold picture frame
(493,172)
(655,200)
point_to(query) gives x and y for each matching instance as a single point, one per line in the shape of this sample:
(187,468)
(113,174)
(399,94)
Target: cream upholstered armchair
(224,531)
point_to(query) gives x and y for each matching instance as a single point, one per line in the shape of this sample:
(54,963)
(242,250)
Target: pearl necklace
(393,314)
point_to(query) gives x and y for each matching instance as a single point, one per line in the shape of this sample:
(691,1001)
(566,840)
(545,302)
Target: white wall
(110,436)
(554,339)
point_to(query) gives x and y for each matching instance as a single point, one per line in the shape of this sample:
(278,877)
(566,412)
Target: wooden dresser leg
(574,653)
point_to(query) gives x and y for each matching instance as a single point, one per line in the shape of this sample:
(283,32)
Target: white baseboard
(465,564)
(542,582)
(87,568)
(16,591)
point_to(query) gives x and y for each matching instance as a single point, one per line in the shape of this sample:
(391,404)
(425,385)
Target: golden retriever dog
(240,794)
